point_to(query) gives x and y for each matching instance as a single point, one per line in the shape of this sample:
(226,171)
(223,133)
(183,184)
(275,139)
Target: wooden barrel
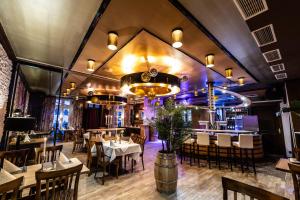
(166,172)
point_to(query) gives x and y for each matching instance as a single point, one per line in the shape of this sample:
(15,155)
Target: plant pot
(166,172)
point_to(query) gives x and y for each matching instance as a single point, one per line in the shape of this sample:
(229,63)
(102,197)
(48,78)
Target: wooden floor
(193,183)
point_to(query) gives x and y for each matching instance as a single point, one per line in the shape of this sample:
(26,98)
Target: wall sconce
(228,73)
(112,41)
(177,35)
(91,65)
(241,81)
(72,85)
(210,60)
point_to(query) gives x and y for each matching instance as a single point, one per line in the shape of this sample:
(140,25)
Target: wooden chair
(17,157)
(103,161)
(245,189)
(89,159)
(141,140)
(51,153)
(295,169)
(57,184)
(10,189)
(78,143)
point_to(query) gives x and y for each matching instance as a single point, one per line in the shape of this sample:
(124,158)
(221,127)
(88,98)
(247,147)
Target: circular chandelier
(150,84)
(106,99)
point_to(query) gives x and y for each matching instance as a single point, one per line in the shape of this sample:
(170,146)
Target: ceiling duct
(264,36)
(273,55)
(280,76)
(251,8)
(277,68)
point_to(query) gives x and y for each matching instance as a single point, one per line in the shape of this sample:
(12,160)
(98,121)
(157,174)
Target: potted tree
(172,129)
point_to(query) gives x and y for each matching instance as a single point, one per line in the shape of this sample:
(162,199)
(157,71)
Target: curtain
(47,114)
(76,113)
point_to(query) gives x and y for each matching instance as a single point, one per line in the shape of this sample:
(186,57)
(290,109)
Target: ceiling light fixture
(195,92)
(68,91)
(228,73)
(210,60)
(64,94)
(91,65)
(241,81)
(143,85)
(107,99)
(72,85)
(177,35)
(203,90)
(112,41)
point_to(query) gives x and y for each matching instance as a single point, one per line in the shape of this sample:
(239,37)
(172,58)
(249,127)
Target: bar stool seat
(203,141)
(223,142)
(245,144)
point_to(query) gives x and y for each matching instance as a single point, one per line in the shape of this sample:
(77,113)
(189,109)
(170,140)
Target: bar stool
(189,142)
(245,143)
(203,141)
(223,142)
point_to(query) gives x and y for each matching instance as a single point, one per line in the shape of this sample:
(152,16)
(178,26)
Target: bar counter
(257,143)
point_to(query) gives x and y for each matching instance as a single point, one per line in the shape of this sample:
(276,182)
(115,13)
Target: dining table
(115,148)
(28,172)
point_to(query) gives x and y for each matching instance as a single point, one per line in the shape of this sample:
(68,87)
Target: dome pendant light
(177,35)
(210,60)
(91,65)
(112,41)
(228,73)
(241,81)
(72,85)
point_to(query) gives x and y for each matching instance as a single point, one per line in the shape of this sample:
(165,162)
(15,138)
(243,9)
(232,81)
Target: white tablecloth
(118,149)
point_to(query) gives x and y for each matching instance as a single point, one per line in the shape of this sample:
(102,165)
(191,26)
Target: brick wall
(5,75)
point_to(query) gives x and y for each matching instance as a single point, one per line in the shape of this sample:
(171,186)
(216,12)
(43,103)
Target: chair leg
(247,159)
(230,157)
(143,162)
(253,160)
(131,165)
(234,155)
(219,158)
(198,155)
(208,157)
(117,170)
(96,170)
(228,162)
(241,160)
(125,162)
(73,148)
(103,175)
(190,154)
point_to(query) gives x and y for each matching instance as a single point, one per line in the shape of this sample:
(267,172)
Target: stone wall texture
(5,75)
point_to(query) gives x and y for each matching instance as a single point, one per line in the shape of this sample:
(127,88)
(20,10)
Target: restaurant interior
(160,99)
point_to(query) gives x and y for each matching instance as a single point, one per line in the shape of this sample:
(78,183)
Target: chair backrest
(58,184)
(11,187)
(297,153)
(51,153)
(245,189)
(246,141)
(141,140)
(295,169)
(203,138)
(224,140)
(17,157)
(100,152)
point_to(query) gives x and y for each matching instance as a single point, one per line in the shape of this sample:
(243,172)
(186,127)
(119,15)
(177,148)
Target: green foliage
(170,125)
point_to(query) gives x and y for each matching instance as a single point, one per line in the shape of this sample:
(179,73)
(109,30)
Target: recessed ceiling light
(72,85)
(241,81)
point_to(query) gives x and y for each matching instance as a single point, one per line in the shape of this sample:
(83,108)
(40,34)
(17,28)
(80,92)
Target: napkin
(27,138)
(117,138)
(64,159)
(130,141)
(10,167)
(111,143)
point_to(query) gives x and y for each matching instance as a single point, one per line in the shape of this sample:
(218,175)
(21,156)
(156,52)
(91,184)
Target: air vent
(277,68)
(280,76)
(264,36)
(251,8)
(272,56)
